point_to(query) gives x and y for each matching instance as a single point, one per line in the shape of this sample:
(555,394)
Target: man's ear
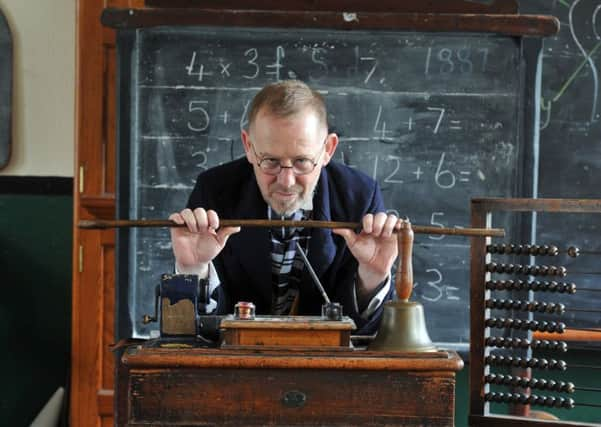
(331,144)
(246,144)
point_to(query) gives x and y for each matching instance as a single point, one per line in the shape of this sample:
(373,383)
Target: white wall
(43,86)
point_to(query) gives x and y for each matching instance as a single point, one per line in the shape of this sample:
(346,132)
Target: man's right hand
(197,244)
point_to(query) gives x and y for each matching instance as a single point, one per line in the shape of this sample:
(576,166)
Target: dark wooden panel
(285,387)
(290,397)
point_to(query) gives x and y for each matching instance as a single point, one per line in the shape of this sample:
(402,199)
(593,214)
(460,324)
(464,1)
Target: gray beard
(303,203)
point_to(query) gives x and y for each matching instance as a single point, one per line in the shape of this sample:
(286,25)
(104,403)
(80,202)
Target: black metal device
(180,300)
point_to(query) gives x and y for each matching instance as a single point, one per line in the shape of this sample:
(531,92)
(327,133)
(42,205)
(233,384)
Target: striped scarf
(286,264)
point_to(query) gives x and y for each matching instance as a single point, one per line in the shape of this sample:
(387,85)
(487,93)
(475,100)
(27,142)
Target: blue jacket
(244,265)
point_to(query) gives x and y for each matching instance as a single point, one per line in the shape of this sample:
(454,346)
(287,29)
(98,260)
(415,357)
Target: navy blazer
(244,265)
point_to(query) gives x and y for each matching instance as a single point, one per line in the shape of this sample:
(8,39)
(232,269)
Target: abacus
(506,300)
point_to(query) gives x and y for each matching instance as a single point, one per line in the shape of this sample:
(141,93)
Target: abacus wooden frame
(481,216)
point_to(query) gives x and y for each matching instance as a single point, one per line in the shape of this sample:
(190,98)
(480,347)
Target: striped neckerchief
(286,264)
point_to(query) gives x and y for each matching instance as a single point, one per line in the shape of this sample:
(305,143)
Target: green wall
(35,306)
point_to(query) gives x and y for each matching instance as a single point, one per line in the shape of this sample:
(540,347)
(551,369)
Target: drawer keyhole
(294,399)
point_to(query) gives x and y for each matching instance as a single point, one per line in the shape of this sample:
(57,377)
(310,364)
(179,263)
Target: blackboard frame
(513,26)
(123,322)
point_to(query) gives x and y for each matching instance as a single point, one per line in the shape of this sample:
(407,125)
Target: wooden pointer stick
(125,223)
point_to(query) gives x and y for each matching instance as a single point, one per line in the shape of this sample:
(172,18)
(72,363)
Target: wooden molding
(105,402)
(100,206)
(505,24)
(431,6)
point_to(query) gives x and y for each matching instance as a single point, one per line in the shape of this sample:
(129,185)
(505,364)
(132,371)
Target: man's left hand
(375,248)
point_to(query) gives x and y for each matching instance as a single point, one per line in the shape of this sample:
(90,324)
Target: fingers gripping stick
(404,277)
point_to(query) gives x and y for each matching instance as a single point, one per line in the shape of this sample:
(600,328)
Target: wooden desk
(230,387)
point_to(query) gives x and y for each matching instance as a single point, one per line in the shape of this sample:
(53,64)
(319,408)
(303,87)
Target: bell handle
(404,277)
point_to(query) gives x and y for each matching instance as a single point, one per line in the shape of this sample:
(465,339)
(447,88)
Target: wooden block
(289,331)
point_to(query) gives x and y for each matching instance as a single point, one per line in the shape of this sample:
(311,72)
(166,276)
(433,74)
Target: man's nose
(286,177)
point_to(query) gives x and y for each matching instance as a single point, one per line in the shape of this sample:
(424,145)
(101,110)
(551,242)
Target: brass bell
(403,326)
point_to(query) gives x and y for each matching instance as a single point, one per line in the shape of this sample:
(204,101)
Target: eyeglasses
(300,165)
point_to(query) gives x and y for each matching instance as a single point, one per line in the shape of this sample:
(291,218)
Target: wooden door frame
(93,287)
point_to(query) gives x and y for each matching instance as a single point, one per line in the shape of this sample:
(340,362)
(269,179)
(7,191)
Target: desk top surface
(144,357)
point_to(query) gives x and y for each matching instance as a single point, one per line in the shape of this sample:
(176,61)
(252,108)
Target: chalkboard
(6,83)
(570,136)
(436,118)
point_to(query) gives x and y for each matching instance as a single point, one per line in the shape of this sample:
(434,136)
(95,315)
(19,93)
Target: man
(288,174)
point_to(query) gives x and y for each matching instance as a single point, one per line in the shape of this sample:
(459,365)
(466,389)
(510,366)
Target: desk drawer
(291,397)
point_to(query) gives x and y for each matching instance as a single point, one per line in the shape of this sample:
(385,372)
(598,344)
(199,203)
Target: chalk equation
(271,62)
